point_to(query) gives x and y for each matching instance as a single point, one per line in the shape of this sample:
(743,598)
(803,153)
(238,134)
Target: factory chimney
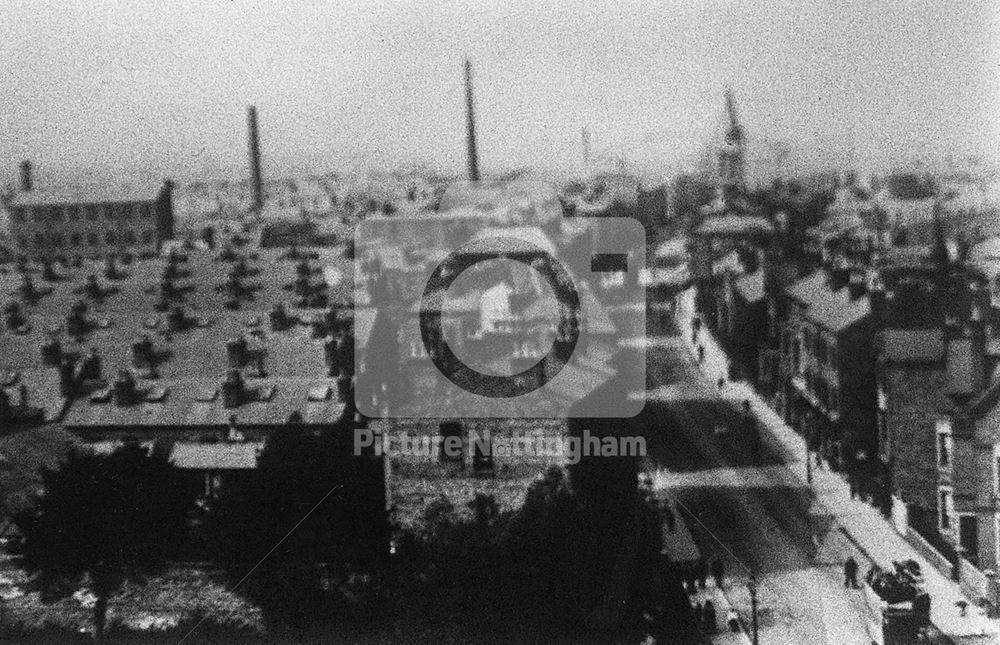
(26,176)
(256,186)
(470,124)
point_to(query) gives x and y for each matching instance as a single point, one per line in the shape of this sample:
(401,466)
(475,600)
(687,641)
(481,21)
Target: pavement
(746,512)
(860,522)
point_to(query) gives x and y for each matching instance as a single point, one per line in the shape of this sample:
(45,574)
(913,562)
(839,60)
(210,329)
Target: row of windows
(57,240)
(90,212)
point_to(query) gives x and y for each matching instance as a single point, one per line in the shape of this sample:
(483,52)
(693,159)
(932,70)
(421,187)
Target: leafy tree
(103,520)
(309,516)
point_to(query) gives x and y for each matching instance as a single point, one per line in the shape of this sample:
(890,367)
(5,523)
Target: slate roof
(196,358)
(183,406)
(832,310)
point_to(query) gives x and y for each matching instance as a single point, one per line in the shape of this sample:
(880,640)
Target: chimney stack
(26,176)
(470,125)
(255,178)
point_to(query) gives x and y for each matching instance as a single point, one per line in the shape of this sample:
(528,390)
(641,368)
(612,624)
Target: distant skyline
(127,90)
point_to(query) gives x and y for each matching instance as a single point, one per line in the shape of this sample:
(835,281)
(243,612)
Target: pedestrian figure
(722,382)
(701,354)
(702,572)
(718,569)
(708,617)
(851,573)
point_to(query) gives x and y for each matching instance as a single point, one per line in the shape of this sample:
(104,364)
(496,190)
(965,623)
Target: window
(73,213)
(147,237)
(128,237)
(91,212)
(944,508)
(57,240)
(93,239)
(56,214)
(109,237)
(109,212)
(20,214)
(38,215)
(39,240)
(74,239)
(944,442)
(125,212)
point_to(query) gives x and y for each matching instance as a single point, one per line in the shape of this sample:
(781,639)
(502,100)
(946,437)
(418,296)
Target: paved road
(752,514)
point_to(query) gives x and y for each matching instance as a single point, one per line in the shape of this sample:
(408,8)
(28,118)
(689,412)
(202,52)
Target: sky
(160,88)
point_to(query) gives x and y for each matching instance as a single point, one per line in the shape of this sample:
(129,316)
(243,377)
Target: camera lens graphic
(492,385)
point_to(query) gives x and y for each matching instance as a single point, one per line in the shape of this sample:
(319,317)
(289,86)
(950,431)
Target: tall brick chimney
(256,185)
(470,117)
(26,176)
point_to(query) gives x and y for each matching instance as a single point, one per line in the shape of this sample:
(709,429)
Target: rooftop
(735,226)
(832,310)
(190,360)
(88,195)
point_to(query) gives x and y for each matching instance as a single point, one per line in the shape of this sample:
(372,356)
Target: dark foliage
(306,522)
(103,520)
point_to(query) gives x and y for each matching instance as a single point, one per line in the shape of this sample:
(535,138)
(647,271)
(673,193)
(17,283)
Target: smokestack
(26,176)
(470,124)
(255,179)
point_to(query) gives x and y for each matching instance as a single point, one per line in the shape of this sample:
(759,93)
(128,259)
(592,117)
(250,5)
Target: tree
(103,520)
(309,516)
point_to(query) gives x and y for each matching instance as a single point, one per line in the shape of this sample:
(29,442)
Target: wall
(914,400)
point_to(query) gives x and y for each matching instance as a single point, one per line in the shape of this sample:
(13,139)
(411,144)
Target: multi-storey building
(827,366)
(93,223)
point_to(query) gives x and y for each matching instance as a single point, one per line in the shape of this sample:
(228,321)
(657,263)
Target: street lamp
(753,606)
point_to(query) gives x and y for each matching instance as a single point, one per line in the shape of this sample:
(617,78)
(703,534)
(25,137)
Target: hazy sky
(162,87)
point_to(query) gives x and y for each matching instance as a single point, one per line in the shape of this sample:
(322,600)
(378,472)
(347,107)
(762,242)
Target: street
(755,516)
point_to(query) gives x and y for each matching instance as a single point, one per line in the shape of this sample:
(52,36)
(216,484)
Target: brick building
(91,223)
